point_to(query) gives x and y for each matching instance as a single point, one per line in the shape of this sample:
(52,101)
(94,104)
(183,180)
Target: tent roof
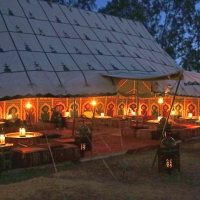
(189,85)
(48,49)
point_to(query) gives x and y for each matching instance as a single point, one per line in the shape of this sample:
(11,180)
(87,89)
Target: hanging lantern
(160,100)
(28,105)
(93,103)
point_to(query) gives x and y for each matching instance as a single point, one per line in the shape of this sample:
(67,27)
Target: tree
(83,4)
(55,1)
(174,24)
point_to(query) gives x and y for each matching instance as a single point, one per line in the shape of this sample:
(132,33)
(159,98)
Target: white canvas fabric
(189,85)
(48,49)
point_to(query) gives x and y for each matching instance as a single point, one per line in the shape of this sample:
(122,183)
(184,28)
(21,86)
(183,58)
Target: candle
(102,114)
(2,139)
(67,114)
(22,132)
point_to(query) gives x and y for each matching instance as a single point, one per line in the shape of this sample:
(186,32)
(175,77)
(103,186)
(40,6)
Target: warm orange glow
(93,103)
(160,100)
(22,132)
(67,113)
(173,112)
(28,105)
(159,118)
(190,115)
(2,139)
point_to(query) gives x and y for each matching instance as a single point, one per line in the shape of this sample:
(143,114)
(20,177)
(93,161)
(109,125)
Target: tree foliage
(83,4)
(174,24)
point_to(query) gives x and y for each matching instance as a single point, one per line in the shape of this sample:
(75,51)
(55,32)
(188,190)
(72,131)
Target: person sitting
(56,117)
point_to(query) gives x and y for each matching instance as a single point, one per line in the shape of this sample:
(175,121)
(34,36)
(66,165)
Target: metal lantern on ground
(168,155)
(83,138)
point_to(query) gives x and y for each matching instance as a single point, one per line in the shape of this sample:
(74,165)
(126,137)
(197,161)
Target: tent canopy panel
(64,51)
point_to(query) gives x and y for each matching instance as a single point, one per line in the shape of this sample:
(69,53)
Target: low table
(29,139)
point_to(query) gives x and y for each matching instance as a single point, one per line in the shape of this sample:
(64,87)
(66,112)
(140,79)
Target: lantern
(93,103)
(133,113)
(159,118)
(28,105)
(82,146)
(173,111)
(83,139)
(9,116)
(2,139)
(67,113)
(168,155)
(160,100)
(102,114)
(190,115)
(22,132)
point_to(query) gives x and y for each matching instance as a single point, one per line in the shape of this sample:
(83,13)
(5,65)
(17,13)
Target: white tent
(189,85)
(53,50)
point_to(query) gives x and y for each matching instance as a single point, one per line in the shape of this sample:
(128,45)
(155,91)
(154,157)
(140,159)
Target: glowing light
(160,100)
(93,103)
(102,114)
(159,118)
(67,113)
(190,115)
(28,105)
(2,139)
(22,132)
(133,113)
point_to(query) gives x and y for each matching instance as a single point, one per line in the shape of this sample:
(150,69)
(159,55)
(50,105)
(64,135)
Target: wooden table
(29,139)
(197,122)
(190,120)
(106,120)
(153,124)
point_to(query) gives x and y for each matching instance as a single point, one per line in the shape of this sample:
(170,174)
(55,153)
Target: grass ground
(124,177)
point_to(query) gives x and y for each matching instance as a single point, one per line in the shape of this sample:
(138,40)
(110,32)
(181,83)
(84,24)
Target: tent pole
(73,125)
(168,116)
(137,103)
